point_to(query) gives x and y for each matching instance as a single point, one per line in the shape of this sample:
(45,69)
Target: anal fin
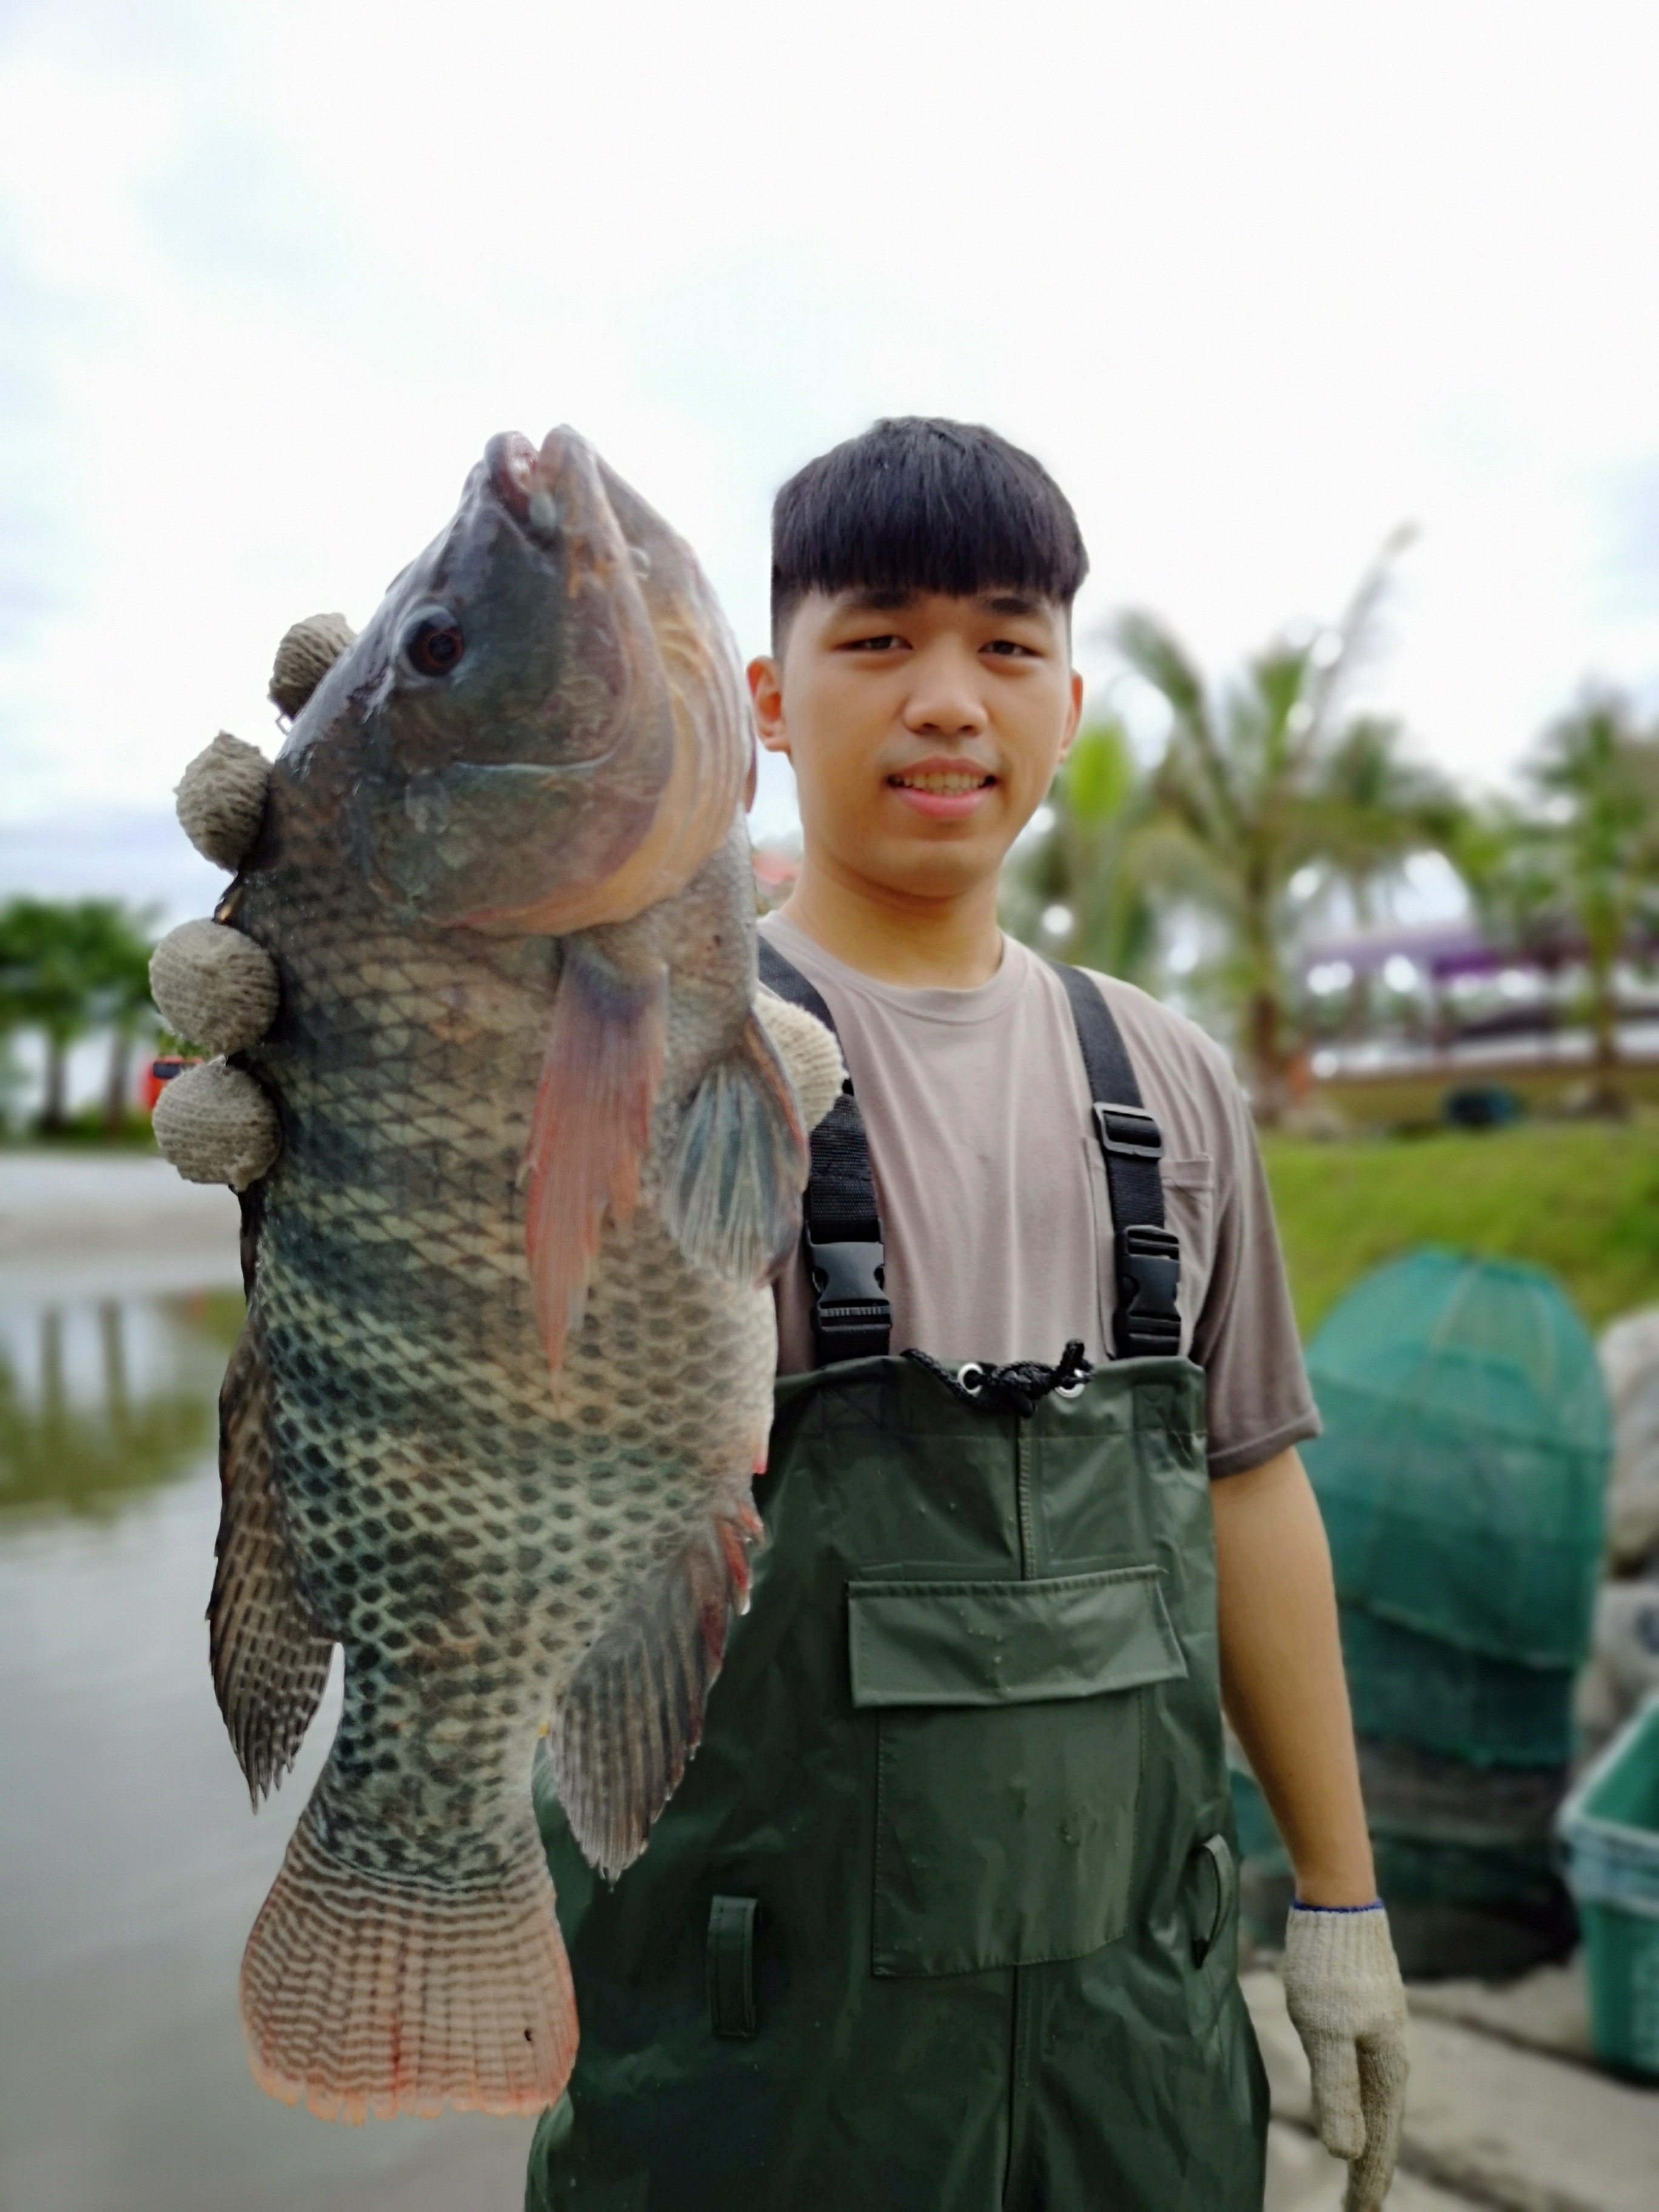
(270,1659)
(592,1121)
(632,1714)
(732,1195)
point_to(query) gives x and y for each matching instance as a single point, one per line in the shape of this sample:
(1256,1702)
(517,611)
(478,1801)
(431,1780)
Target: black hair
(917,504)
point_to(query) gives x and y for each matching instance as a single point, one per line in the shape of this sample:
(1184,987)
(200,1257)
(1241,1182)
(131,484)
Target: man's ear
(766,690)
(1074,715)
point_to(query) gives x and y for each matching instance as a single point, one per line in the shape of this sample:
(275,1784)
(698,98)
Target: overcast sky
(1256,281)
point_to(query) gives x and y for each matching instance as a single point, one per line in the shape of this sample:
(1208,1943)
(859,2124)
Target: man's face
(924,730)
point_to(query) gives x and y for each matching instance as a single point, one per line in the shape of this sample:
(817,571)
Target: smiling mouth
(940,785)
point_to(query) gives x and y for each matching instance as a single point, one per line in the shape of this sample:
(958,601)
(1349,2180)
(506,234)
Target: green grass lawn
(1581,1199)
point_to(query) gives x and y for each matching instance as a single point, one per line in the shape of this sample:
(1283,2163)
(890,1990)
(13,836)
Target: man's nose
(944,699)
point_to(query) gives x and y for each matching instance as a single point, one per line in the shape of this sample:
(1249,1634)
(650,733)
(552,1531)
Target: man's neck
(951,944)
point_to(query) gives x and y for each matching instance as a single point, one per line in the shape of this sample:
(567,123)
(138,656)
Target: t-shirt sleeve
(1245,1337)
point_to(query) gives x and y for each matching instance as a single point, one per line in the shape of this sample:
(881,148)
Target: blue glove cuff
(1297,1906)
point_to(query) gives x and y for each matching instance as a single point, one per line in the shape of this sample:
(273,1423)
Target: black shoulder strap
(1146,1323)
(852,1318)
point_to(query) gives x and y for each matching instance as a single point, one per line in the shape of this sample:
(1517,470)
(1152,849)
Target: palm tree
(1574,868)
(1266,779)
(1082,866)
(116,946)
(66,969)
(43,987)
(1380,807)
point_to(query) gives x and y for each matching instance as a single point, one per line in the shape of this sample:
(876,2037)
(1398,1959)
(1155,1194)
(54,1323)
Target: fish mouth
(527,480)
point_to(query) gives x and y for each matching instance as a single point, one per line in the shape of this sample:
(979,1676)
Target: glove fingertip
(1344,2138)
(1339,2113)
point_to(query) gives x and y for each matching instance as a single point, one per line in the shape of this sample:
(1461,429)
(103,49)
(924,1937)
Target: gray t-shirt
(992,1192)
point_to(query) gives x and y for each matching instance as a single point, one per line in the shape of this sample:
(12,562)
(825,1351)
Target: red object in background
(777,867)
(157,1076)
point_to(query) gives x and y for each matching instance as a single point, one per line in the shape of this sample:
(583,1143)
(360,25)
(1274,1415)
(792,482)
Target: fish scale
(508,1365)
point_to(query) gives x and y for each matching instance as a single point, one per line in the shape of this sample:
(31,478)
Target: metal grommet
(971,1376)
(1071,1389)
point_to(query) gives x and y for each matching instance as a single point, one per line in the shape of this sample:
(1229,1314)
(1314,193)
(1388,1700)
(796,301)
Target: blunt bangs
(917,504)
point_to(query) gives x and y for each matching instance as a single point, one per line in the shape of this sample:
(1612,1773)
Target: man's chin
(932,865)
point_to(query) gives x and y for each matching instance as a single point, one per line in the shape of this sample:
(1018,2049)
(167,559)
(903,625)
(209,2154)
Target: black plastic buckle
(1147,1146)
(852,1318)
(1148,1326)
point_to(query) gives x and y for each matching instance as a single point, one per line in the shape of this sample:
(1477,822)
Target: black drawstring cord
(1014,1389)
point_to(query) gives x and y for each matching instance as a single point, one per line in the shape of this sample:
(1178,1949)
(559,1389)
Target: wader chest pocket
(1009,1762)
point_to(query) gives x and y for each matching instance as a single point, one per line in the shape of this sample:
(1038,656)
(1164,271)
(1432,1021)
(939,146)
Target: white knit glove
(1347,2003)
(211,984)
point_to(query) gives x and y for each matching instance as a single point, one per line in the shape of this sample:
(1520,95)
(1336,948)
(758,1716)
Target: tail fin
(362,1994)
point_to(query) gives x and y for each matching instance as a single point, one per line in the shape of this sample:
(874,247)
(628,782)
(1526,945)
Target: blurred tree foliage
(120,946)
(1259,779)
(1270,775)
(1571,868)
(1379,807)
(70,969)
(1084,865)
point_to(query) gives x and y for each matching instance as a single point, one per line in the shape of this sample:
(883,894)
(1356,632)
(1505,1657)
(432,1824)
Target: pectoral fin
(732,1195)
(592,1121)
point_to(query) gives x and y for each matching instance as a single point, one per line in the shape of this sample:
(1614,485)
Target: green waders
(942,1917)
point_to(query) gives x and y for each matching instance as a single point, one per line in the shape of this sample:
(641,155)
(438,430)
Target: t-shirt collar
(931,1003)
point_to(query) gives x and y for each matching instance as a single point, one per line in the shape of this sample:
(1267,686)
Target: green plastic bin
(1465,1455)
(1610,1827)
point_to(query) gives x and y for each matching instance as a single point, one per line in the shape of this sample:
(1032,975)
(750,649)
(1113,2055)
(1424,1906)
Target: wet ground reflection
(99,1401)
(131,1865)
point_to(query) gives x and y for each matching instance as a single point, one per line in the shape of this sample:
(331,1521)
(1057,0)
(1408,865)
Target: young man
(943,1915)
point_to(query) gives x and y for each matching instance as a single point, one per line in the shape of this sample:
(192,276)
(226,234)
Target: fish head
(546,715)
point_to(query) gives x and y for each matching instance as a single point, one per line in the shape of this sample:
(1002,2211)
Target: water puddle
(102,1401)
(131,1864)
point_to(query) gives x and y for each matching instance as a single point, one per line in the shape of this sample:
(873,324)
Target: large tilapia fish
(507,1368)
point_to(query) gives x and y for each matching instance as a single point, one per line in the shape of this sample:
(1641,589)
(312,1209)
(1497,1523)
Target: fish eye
(434,645)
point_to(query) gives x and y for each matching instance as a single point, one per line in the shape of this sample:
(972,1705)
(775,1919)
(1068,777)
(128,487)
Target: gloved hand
(1347,2003)
(211,984)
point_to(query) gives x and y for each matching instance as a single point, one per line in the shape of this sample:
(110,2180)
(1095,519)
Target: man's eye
(1011,649)
(882,644)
